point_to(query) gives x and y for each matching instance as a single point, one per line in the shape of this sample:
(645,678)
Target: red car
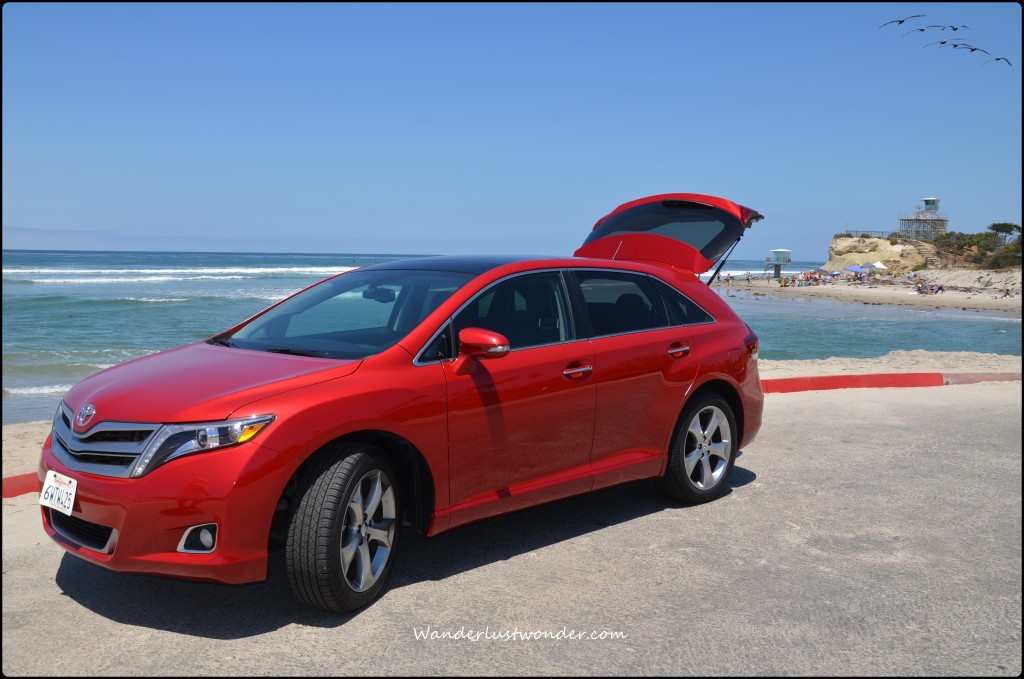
(429,392)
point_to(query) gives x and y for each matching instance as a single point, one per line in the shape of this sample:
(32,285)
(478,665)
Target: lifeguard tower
(926,224)
(773,263)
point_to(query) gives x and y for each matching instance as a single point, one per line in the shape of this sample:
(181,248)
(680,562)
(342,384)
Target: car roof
(471,264)
(477,265)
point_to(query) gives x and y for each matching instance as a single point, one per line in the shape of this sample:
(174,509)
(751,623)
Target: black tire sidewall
(323,506)
(676,481)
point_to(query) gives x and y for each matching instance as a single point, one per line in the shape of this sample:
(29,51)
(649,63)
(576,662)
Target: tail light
(751,342)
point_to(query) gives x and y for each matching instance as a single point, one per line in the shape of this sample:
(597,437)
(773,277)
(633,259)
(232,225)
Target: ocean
(69,314)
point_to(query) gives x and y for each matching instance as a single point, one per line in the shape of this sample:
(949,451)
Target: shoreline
(22,442)
(884,292)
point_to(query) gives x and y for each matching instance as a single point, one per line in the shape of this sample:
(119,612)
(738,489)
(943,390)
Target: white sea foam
(34,391)
(137,279)
(153,300)
(189,271)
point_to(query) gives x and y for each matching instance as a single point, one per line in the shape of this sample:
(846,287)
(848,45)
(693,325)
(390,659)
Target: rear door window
(619,302)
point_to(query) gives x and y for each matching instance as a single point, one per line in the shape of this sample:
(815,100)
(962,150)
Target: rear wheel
(344,530)
(703,450)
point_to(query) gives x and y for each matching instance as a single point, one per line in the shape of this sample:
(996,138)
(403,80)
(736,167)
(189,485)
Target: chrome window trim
(420,361)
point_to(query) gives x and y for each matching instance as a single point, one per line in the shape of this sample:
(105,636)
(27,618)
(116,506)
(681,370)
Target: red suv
(429,392)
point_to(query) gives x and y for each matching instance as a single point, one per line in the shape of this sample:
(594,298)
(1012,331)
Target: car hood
(195,382)
(690,231)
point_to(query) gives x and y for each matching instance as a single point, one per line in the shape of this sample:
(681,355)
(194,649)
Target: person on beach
(728,280)
(748,279)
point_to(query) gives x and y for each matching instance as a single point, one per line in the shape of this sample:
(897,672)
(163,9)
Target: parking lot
(866,532)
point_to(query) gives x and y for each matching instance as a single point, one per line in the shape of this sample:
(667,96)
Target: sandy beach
(22,442)
(967,290)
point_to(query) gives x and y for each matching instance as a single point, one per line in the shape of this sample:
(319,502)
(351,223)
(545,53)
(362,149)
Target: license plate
(58,492)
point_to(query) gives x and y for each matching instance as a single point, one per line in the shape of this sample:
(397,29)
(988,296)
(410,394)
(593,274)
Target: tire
(703,450)
(344,531)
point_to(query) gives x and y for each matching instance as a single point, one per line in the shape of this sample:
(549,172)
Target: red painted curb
(21,484)
(783,385)
(28,483)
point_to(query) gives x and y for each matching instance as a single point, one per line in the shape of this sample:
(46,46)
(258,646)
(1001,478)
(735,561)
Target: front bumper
(137,525)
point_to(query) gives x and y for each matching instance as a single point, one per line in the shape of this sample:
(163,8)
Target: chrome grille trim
(95,452)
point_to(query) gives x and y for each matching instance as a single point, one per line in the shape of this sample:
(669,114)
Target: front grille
(135,436)
(108,449)
(82,532)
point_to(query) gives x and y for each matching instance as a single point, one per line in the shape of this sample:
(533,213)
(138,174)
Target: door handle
(578,373)
(679,350)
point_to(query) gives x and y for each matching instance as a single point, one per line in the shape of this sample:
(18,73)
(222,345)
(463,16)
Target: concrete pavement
(867,532)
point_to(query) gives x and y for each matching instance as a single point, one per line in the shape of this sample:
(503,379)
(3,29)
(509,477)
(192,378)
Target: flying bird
(942,43)
(971,48)
(955,28)
(999,59)
(899,22)
(918,30)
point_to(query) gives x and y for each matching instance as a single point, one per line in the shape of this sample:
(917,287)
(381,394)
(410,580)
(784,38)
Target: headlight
(176,440)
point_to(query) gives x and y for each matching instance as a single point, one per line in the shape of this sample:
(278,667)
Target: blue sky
(460,128)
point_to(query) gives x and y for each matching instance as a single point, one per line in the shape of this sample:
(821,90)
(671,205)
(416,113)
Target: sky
(436,128)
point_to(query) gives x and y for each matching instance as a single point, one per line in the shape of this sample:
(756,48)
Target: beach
(966,290)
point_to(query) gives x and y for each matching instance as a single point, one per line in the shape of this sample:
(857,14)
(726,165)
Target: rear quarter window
(681,309)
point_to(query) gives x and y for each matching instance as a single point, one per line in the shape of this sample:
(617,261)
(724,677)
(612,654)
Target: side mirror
(476,344)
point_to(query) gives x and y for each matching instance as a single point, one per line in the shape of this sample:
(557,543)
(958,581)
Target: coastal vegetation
(998,247)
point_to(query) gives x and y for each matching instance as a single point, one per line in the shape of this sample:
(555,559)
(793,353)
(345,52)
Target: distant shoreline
(887,292)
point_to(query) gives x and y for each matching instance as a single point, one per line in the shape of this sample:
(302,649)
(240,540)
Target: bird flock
(955,43)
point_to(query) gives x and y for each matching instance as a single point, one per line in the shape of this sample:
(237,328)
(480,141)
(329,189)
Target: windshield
(351,316)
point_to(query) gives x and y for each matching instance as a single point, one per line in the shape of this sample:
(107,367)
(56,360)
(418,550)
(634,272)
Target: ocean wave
(186,271)
(100,357)
(152,300)
(138,279)
(36,391)
(56,369)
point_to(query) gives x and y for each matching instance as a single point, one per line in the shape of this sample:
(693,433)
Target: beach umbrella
(820,270)
(855,269)
(879,265)
(834,273)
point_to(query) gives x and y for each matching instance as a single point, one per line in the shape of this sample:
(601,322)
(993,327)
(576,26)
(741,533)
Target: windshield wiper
(299,352)
(223,342)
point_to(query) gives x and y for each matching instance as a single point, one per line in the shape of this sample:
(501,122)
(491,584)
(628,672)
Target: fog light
(199,539)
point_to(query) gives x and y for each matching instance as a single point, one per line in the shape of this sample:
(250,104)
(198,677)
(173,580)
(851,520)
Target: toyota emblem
(85,414)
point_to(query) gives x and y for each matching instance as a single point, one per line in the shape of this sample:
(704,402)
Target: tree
(1005,230)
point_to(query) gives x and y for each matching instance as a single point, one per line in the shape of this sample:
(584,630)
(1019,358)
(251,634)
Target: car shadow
(217,611)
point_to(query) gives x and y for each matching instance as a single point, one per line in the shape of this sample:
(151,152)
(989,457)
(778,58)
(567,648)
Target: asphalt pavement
(865,532)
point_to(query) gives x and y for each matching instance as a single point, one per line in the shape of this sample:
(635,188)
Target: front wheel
(703,450)
(344,530)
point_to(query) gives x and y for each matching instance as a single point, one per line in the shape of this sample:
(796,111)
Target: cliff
(903,256)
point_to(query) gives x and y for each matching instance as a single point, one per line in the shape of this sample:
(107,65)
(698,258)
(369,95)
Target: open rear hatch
(684,230)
